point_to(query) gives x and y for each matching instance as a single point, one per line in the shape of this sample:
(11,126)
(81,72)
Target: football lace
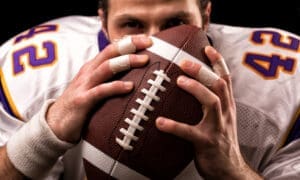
(144,106)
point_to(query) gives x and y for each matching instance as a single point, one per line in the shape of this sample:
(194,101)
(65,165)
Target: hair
(103,4)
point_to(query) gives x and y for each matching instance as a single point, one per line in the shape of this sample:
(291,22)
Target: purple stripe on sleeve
(4,102)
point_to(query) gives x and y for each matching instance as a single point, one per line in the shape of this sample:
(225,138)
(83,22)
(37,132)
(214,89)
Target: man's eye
(173,22)
(132,24)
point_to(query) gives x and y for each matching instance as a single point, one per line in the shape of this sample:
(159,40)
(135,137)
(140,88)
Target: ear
(103,21)
(207,16)
(101,14)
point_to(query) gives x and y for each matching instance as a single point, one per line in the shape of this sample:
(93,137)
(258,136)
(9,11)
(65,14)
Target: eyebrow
(180,14)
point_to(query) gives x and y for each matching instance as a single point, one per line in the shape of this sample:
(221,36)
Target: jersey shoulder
(70,32)
(250,37)
(63,27)
(44,59)
(264,66)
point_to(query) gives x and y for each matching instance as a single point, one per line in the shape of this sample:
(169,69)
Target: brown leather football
(121,140)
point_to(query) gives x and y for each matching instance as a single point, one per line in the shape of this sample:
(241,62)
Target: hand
(217,152)
(68,114)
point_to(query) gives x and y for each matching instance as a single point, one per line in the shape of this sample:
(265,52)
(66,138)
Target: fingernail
(146,40)
(128,85)
(143,58)
(182,80)
(160,121)
(210,50)
(186,64)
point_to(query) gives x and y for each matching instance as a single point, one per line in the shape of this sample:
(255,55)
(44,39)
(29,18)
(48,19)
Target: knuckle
(110,49)
(125,45)
(84,68)
(215,103)
(119,64)
(221,86)
(132,58)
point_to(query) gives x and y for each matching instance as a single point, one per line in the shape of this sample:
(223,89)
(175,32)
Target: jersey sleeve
(264,66)
(285,164)
(38,64)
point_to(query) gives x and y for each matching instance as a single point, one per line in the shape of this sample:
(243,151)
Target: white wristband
(34,148)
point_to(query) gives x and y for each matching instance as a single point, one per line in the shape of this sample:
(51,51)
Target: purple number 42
(31,54)
(270,65)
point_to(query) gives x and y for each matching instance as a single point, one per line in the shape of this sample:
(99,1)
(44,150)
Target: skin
(217,153)
(148,17)
(67,115)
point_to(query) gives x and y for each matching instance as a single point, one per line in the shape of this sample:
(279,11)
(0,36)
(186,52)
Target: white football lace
(144,105)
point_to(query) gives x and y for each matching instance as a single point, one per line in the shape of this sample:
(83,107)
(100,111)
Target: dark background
(18,16)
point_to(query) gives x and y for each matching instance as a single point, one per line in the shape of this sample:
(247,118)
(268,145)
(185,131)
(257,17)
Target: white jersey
(38,64)
(264,64)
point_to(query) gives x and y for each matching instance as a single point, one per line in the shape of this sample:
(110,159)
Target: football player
(54,73)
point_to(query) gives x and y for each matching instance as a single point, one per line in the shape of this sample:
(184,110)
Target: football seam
(139,113)
(186,40)
(118,159)
(144,106)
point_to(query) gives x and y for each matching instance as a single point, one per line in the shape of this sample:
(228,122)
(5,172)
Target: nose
(152,30)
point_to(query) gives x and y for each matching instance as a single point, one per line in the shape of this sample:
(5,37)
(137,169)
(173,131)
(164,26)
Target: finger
(205,76)
(109,89)
(217,61)
(118,64)
(218,85)
(201,73)
(181,130)
(222,70)
(199,91)
(212,108)
(127,45)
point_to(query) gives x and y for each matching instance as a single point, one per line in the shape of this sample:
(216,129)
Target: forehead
(148,2)
(152,7)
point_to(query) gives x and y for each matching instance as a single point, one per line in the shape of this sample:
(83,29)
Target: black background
(18,16)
